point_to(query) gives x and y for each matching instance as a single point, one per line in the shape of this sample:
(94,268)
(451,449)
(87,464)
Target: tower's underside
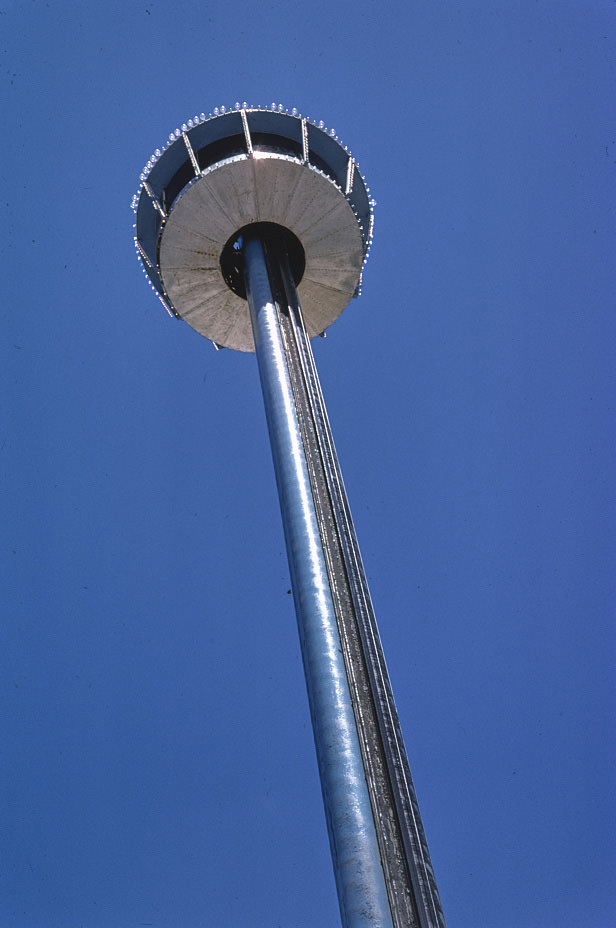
(246,166)
(271,189)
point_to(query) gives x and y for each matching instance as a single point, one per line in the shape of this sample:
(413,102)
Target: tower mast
(243,215)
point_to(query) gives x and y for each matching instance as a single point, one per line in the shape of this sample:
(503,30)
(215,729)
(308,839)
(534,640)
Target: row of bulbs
(220,111)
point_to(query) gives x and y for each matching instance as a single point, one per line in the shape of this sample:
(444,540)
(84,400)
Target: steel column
(413,895)
(357,864)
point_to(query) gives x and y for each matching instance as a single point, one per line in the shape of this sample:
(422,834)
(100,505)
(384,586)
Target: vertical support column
(409,877)
(357,866)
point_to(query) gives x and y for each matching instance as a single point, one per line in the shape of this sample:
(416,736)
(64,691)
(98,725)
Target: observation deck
(220,173)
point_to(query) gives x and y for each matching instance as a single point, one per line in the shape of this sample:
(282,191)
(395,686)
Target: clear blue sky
(157,756)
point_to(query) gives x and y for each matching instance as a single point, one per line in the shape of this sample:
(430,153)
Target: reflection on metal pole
(359,874)
(325,563)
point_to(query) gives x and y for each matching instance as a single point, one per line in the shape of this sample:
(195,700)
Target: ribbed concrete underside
(265,188)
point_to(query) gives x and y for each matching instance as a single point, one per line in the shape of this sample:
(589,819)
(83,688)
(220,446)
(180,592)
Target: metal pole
(359,875)
(409,877)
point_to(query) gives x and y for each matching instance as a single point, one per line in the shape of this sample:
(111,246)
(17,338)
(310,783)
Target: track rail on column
(409,876)
(358,867)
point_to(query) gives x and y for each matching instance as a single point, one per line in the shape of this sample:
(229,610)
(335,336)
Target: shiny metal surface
(357,864)
(409,876)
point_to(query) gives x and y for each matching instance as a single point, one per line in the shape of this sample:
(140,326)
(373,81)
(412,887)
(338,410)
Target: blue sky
(157,758)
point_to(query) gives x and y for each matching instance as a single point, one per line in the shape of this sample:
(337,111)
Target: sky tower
(253,225)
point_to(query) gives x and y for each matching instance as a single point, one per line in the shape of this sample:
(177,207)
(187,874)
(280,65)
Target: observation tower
(253,225)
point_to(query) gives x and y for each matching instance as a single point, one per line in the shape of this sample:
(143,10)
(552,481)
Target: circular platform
(221,173)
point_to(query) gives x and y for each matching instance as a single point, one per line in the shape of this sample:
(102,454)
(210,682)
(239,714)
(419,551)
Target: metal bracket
(155,202)
(247,133)
(349,177)
(305,152)
(143,254)
(193,158)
